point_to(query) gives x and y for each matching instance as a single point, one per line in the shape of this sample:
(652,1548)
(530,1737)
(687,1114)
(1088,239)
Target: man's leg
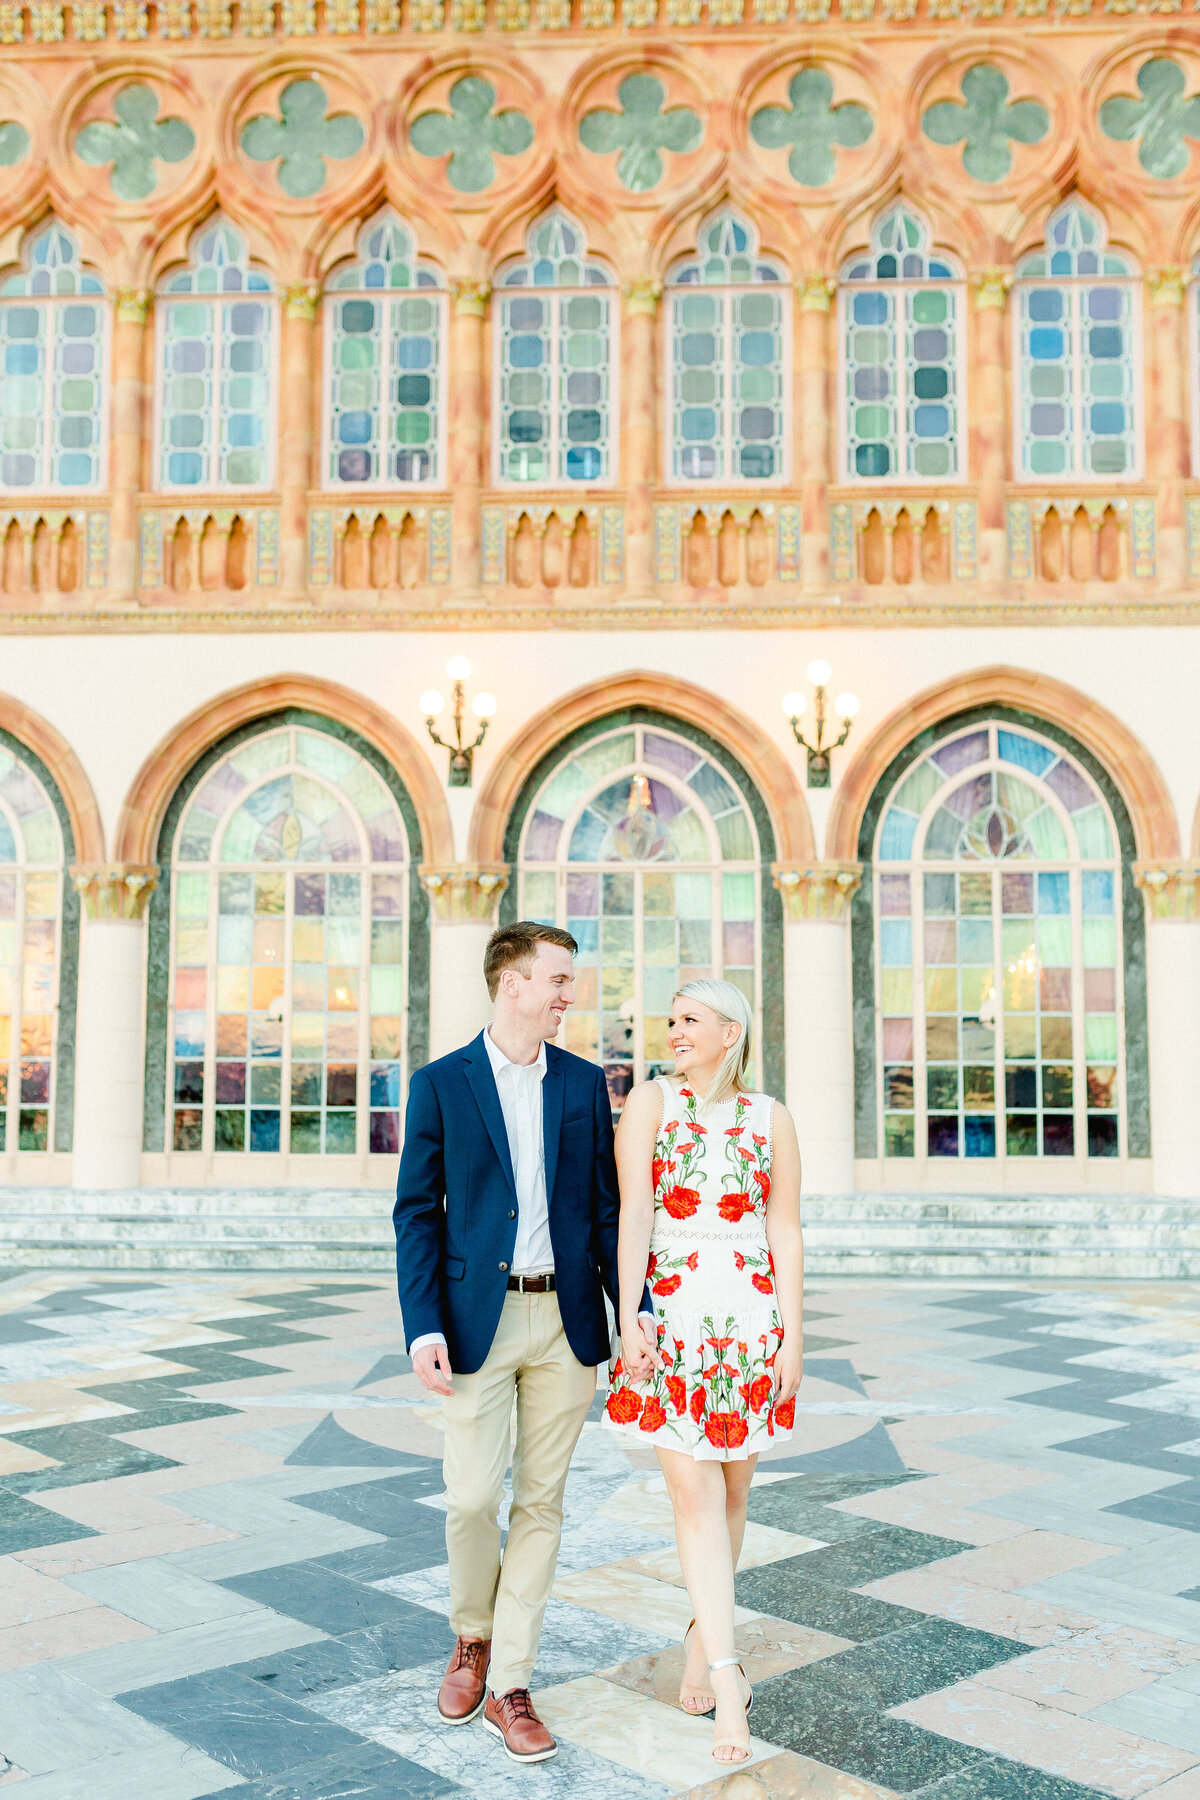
(478,1417)
(554,1392)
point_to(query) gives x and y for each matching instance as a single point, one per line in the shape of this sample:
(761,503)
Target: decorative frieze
(114,890)
(189,549)
(465,894)
(1172,888)
(818,890)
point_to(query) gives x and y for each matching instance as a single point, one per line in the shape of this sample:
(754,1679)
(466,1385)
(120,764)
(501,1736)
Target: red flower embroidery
(679,1345)
(653,1415)
(763,1283)
(763,1180)
(624,1405)
(785,1414)
(734,1130)
(657,1169)
(699,1402)
(680,1202)
(734,1207)
(686,1094)
(698,1130)
(760,1141)
(725,1430)
(686,1149)
(652,1264)
(693,1261)
(676,1392)
(669,1284)
(746,1155)
(739,1261)
(761,1389)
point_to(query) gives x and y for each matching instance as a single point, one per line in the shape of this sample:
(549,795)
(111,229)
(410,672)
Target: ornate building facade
(643,353)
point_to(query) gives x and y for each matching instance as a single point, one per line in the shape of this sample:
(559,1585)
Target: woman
(710,1216)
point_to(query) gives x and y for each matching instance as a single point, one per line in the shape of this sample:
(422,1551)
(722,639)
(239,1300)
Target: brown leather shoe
(512,1718)
(464,1685)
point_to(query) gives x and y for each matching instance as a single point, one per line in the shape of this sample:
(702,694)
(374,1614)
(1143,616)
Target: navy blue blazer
(456,1203)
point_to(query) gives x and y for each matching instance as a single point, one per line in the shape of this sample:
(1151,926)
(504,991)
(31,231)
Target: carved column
(819,1009)
(128,432)
(1172,891)
(297,392)
(639,374)
(463,900)
(1168,452)
(817,365)
(989,428)
(109,1053)
(468,415)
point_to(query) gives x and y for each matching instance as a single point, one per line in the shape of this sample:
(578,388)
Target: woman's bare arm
(637,1130)
(787,1249)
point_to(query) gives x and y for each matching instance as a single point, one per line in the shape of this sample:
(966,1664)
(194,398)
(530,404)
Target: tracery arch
(54,334)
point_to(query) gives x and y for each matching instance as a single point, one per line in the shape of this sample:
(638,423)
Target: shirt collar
(500,1062)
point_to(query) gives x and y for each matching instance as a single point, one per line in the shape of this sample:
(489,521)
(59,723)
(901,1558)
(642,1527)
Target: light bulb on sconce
(462,754)
(845,706)
(484,706)
(459,668)
(432,703)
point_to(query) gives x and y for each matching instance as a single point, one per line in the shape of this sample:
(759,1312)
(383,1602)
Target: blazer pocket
(455,1268)
(576,1118)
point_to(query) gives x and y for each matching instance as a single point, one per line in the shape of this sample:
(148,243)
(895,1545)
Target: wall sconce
(845,706)
(462,755)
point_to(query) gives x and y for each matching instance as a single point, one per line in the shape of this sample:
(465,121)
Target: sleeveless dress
(712,1284)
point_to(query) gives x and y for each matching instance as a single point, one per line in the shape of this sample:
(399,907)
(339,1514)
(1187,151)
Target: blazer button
(504,1268)
(511,1213)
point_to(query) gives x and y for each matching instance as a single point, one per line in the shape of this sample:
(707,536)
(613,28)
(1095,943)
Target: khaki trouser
(506,1601)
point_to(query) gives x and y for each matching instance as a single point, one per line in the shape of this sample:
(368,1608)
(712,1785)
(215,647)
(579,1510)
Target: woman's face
(697,1036)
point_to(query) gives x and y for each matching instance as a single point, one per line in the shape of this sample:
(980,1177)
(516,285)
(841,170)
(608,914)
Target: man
(506,1226)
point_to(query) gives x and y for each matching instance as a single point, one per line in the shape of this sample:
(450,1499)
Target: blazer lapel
(552,1113)
(483,1086)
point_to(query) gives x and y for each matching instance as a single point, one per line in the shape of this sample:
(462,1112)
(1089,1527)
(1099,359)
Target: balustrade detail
(1072,538)
(726,543)
(192,550)
(52,550)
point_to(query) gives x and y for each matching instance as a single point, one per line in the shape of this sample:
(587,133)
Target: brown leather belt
(531,1284)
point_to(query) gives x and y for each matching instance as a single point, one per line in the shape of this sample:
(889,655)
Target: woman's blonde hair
(730,1004)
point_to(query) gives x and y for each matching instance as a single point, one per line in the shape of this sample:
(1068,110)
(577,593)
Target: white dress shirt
(519,1086)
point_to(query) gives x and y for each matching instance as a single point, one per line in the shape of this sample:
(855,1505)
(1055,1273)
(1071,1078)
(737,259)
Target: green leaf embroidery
(302,137)
(1162,118)
(135,143)
(14,142)
(640,131)
(472,134)
(812,126)
(987,120)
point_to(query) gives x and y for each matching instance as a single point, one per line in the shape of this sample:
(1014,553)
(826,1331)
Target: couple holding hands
(514,1214)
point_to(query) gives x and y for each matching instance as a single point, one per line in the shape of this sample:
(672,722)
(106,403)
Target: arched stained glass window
(557,356)
(901,307)
(998,954)
(1076,316)
(31,924)
(385,328)
(53,354)
(289,953)
(216,362)
(646,851)
(728,326)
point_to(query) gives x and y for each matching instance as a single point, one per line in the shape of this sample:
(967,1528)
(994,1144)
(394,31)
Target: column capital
(301,300)
(989,287)
(114,890)
(815,292)
(465,895)
(133,304)
(817,890)
(642,294)
(471,298)
(1167,285)
(1171,887)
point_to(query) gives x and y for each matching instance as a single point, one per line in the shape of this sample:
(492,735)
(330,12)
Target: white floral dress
(712,1282)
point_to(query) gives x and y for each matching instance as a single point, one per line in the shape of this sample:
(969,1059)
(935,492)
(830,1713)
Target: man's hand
(431,1364)
(639,1349)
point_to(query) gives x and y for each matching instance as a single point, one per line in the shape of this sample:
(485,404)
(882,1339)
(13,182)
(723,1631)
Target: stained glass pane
(52,349)
(290,952)
(31,877)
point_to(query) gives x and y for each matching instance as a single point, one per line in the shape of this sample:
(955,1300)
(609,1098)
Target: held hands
(788,1369)
(431,1364)
(639,1350)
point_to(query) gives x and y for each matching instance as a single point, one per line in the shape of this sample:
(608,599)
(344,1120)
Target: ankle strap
(726,1662)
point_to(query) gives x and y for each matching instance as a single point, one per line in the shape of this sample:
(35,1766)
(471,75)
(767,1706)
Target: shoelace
(519,1705)
(469,1654)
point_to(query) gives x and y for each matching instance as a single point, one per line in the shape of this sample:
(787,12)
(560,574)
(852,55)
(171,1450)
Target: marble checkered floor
(222,1566)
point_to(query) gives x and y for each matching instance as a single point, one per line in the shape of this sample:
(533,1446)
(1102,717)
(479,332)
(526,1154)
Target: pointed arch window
(32,930)
(901,309)
(644,848)
(385,319)
(1076,321)
(729,346)
(53,368)
(216,334)
(556,361)
(998,997)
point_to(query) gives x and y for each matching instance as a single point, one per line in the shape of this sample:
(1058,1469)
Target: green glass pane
(930,308)
(1054,943)
(1099,943)
(737,896)
(733,830)
(693,896)
(1100,1037)
(387,990)
(357,353)
(1047,458)
(1047,836)
(610,753)
(1093,831)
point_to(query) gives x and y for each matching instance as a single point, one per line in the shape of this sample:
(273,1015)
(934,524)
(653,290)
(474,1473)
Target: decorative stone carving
(471,298)
(463,895)
(1167,286)
(984,121)
(1161,120)
(1172,889)
(137,141)
(114,890)
(821,890)
(989,287)
(816,292)
(642,295)
(133,305)
(813,126)
(302,137)
(472,133)
(641,131)
(302,300)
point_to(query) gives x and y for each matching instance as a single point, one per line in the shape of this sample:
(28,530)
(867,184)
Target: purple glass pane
(1017,893)
(943,1136)
(940,941)
(8,896)
(231,1083)
(340,838)
(666,802)
(387,845)
(894,894)
(310,895)
(385,1133)
(961,753)
(542,841)
(739,944)
(22,791)
(1099,990)
(221,789)
(669,753)
(1070,786)
(897,1040)
(583,896)
(1056,991)
(1058,1135)
(966,801)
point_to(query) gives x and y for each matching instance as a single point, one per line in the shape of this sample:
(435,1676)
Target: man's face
(544,995)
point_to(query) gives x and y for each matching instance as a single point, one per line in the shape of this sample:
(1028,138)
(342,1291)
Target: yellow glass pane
(581,1034)
(191,945)
(976,986)
(7,996)
(8,941)
(656,1040)
(41,896)
(896,989)
(387,1039)
(618,987)
(268,987)
(233,990)
(941,991)
(269,893)
(658,895)
(5,1038)
(268,940)
(37,1034)
(1019,989)
(343,990)
(1020,1037)
(308,1034)
(1056,1039)
(308,940)
(585,989)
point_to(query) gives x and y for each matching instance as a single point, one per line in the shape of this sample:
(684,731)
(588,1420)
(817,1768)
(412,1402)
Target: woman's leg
(698,1497)
(738,1476)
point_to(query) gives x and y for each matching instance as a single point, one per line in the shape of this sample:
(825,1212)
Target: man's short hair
(515,946)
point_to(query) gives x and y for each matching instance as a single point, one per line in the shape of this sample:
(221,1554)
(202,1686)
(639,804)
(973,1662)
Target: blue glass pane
(931,421)
(1054,893)
(698,424)
(1024,752)
(980,1134)
(1097,892)
(1045,344)
(414,390)
(870,309)
(1104,303)
(757,462)
(415,353)
(525,427)
(1046,420)
(358,315)
(1105,341)
(896,841)
(872,459)
(525,352)
(74,469)
(583,465)
(1045,304)
(355,428)
(264,1130)
(184,468)
(757,348)
(1108,418)
(930,384)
